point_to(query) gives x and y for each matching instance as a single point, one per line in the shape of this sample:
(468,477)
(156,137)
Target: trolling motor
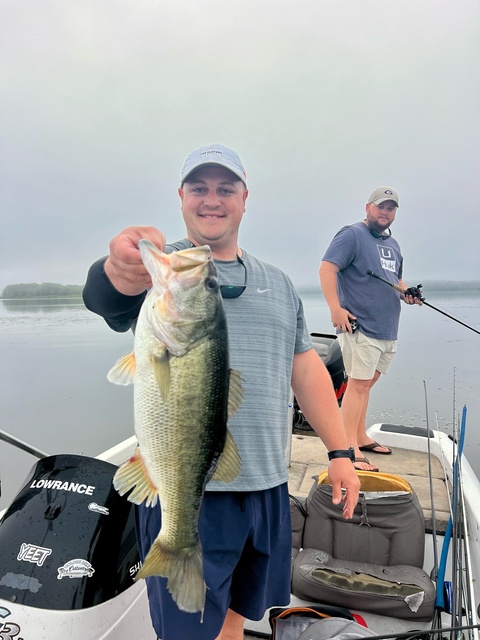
(417,293)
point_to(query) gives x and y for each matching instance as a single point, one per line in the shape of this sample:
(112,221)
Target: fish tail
(183,569)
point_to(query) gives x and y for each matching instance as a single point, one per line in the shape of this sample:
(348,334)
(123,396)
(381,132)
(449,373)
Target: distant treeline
(427,285)
(43,290)
(450,285)
(54,290)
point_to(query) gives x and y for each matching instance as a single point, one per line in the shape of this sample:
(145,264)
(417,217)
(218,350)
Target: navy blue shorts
(246,542)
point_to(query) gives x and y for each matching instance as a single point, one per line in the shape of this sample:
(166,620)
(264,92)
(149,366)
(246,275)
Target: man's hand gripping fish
(184,393)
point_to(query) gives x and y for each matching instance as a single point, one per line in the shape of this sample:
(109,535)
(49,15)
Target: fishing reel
(415,292)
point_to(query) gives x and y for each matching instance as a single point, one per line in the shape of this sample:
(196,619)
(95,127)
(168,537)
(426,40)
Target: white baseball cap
(214,154)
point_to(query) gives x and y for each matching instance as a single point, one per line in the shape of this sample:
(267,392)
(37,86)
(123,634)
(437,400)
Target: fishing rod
(20,444)
(462,586)
(466,591)
(451,534)
(434,572)
(470,596)
(422,634)
(422,298)
(458,437)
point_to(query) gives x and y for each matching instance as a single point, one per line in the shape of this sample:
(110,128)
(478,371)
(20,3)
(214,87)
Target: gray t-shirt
(376,305)
(267,326)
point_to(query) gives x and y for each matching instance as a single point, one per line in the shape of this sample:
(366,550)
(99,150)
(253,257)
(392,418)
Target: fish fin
(124,370)
(229,463)
(161,369)
(235,392)
(133,475)
(183,569)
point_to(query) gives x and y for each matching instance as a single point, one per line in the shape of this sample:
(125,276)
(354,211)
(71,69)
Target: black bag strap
(299,505)
(313,611)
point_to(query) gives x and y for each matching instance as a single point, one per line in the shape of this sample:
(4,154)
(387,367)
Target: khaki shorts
(362,356)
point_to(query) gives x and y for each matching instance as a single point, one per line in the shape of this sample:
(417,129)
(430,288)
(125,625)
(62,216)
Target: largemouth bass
(184,393)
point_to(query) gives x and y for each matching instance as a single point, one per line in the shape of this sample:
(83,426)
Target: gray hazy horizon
(324,101)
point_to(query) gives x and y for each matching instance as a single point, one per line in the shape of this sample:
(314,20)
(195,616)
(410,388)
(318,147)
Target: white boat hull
(127,616)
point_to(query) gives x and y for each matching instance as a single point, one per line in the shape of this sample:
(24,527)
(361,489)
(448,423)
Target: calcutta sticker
(76,569)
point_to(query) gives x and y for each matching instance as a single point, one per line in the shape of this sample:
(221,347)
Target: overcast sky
(102,100)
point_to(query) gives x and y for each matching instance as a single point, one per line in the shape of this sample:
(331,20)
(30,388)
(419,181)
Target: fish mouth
(190,258)
(177,261)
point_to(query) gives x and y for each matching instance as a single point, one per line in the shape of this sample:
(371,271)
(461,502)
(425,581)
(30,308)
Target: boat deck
(308,458)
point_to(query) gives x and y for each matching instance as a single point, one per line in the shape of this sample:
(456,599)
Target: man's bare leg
(362,438)
(232,627)
(354,410)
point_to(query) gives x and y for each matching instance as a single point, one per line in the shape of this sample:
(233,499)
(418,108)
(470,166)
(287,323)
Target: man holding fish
(219,337)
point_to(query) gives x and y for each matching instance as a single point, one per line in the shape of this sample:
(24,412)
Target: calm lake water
(55,356)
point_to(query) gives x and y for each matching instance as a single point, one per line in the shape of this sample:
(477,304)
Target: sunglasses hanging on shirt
(375,234)
(232,290)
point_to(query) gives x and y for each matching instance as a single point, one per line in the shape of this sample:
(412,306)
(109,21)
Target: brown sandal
(372,446)
(364,461)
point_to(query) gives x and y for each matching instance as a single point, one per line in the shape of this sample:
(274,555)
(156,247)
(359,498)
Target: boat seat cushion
(372,562)
(387,527)
(401,591)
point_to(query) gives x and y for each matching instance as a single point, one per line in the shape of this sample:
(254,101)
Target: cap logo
(212,152)
(388,192)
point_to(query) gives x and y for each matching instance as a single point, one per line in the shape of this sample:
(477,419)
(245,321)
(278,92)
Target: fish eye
(211,283)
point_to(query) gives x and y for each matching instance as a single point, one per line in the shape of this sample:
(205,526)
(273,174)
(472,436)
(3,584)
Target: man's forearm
(100,296)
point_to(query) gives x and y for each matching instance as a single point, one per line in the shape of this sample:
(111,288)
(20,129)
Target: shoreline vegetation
(43,290)
(451,286)
(54,290)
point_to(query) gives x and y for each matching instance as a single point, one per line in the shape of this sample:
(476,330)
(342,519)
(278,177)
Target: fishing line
(422,298)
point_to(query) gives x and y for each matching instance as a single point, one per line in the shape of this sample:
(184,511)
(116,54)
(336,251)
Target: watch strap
(342,453)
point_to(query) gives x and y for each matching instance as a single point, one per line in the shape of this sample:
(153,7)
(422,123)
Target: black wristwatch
(342,453)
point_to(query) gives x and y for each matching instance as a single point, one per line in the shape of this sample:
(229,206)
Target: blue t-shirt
(376,305)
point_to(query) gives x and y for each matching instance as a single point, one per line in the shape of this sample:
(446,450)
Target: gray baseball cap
(382,194)
(214,154)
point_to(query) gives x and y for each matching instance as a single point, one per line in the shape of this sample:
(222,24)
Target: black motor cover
(328,348)
(68,539)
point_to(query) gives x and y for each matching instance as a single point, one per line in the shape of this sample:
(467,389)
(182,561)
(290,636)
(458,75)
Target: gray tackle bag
(372,562)
(292,623)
